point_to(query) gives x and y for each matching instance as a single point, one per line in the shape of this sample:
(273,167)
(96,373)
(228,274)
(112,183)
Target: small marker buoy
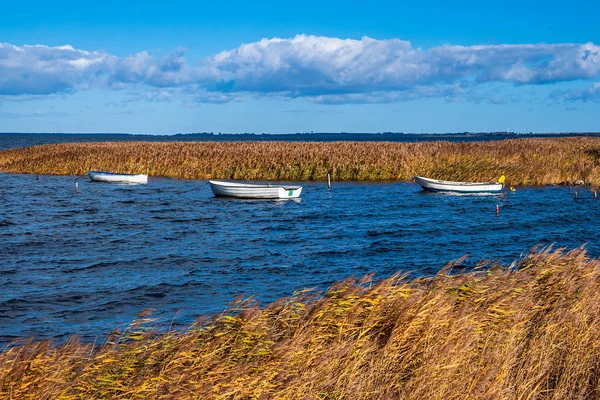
(328,182)
(595,194)
(76,187)
(497,210)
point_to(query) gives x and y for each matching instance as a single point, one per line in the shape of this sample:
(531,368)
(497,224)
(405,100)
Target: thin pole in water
(328,182)
(76,187)
(497,210)
(575,196)
(37,177)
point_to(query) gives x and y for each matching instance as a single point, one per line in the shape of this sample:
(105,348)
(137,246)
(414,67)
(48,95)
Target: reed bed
(527,331)
(523,161)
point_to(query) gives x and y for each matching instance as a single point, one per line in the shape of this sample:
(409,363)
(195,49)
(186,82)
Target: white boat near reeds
(103,176)
(436,185)
(254,190)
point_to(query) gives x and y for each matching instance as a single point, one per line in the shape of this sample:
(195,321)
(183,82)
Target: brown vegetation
(523,161)
(530,331)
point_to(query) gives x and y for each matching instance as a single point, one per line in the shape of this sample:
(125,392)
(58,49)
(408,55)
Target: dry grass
(527,332)
(523,161)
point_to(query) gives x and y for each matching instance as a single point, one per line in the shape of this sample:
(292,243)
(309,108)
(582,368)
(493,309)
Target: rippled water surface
(86,263)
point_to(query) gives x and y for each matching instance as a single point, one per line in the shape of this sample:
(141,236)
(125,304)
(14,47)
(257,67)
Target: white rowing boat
(436,185)
(103,176)
(254,191)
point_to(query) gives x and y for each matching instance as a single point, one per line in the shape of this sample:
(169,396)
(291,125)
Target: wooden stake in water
(76,187)
(37,177)
(328,182)
(575,196)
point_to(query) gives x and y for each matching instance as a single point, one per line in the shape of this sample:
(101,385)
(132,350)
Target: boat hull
(102,176)
(435,185)
(254,191)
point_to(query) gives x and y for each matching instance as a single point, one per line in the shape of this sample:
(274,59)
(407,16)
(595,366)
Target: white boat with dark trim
(103,176)
(254,190)
(436,185)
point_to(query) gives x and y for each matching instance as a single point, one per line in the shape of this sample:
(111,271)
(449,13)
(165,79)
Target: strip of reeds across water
(529,331)
(523,161)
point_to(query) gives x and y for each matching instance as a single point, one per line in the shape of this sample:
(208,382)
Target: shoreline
(367,182)
(525,162)
(492,332)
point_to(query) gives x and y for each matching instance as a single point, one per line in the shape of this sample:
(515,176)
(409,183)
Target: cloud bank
(324,69)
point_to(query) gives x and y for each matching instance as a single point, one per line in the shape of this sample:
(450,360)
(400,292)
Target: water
(86,263)
(13,140)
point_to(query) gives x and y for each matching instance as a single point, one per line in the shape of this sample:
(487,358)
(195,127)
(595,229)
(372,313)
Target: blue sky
(354,66)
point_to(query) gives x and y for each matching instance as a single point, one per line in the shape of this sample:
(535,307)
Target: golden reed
(529,331)
(523,161)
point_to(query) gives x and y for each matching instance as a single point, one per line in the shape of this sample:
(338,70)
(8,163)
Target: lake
(13,140)
(85,263)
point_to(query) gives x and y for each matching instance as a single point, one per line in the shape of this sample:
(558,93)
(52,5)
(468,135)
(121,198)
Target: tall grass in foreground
(530,331)
(523,161)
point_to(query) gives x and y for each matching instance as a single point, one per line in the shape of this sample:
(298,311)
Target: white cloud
(307,65)
(591,93)
(325,69)
(46,70)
